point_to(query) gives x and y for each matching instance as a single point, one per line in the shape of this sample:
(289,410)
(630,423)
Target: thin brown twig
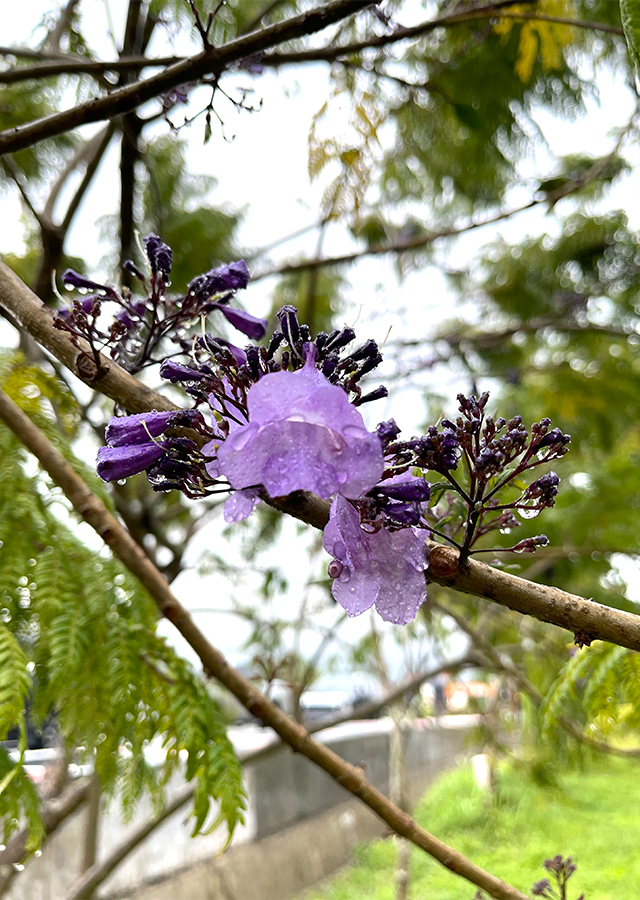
(122,545)
(209,62)
(548,197)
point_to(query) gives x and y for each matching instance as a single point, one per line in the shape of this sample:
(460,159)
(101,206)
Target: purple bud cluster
(142,329)
(283,417)
(561,871)
(134,444)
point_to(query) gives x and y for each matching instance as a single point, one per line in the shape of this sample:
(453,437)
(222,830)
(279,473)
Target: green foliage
(79,633)
(604,684)
(630,17)
(15,680)
(593,819)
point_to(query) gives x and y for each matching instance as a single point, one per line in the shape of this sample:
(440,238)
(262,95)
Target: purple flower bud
(545,489)
(376,394)
(387,432)
(176,372)
(253,327)
(138,429)
(404,487)
(288,317)
(159,256)
(339,339)
(116,463)
(369,365)
(276,339)
(531,544)
(540,888)
(74,279)
(367,351)
(233,277)
(85,305)
(555,436)
(330,363)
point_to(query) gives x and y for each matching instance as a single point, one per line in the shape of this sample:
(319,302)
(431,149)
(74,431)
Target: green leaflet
(630,16)
(15,680)
(85,629)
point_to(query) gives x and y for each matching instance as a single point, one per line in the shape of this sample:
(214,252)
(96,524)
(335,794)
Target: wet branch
(350,777)
(211,61)
(543,602)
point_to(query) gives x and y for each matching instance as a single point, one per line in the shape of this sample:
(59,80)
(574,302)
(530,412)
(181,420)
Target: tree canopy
(434,149)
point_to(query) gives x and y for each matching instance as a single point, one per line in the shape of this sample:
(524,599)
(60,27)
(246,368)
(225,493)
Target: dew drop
(528,513)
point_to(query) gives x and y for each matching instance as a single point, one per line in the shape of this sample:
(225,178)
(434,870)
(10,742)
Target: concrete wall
(300,825)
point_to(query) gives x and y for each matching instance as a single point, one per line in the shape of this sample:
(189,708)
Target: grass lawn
(594,818)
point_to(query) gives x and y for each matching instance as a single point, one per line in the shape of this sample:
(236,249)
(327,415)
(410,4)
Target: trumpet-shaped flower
(382,568)
(302,434)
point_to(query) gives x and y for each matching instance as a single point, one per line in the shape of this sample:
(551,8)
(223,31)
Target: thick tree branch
(585,618)
(549,604)
(350,777)
(211,61)
(80,65)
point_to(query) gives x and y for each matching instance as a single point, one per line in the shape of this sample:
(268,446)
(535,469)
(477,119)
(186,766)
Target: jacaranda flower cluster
(270,420)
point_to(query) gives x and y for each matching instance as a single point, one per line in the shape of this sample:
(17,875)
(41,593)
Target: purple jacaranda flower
(381,568)
(115,463)
(302,434)
(142,427)
(241,504)
(253,327)
(138,429)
